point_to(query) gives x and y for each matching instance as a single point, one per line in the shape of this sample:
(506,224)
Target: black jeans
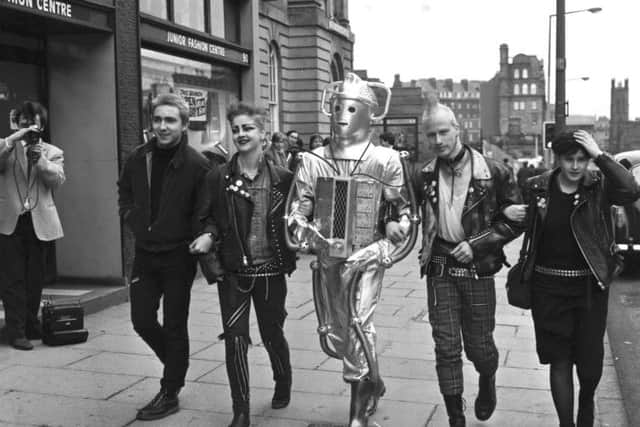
(22,269)
(169,275)
(269,295)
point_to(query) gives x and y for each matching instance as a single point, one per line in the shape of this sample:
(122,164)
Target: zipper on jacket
(245,260)
(600,282)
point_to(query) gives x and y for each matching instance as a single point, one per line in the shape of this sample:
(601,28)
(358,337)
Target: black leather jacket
(228,216)
(492,188)
(590,219)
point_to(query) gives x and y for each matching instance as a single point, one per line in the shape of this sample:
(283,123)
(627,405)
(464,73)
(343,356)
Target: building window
(337,71)
(534,105)
(231,20)
(274,87)
(516,105)
(189,13)
(522,105)
(534,89)
(217,18)
(156,8)
(516,73)
(516,89)
(208,89)
(525,89)
(525,73)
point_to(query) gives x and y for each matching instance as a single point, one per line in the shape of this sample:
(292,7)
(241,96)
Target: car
(626,219)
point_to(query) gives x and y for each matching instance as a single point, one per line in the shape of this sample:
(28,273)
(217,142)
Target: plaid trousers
(464,305)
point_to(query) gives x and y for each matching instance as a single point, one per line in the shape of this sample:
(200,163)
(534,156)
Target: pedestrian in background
(570,266)
(30,170)
(160,192)
(387,139)
(277,151)
(245,225)
(463,195)
(315,141)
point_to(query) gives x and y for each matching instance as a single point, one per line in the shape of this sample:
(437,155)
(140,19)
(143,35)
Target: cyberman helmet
(352,104)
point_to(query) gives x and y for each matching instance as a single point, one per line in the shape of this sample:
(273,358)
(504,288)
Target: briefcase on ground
(63,323)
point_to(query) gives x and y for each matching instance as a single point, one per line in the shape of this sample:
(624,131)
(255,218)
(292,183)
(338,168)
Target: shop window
(156,8)
(516,89)
(525,89)
(274,87)
(209,89)
(189,13)
(534,89)
(516,73)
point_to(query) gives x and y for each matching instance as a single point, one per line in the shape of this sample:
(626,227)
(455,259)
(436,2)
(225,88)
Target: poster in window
(197,100)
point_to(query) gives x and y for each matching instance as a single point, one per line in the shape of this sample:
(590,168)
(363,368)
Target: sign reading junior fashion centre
(54,7)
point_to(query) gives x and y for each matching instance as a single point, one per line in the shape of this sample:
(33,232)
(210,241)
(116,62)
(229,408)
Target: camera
(32,137)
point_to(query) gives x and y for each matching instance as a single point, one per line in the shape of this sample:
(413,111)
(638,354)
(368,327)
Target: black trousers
(269,294)
(167,275)
(22,275)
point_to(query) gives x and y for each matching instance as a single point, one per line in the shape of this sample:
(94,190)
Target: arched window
(525,73)
(516,73)
(516,89)
(525,89)
(337,71)
(534,89)
(274,87)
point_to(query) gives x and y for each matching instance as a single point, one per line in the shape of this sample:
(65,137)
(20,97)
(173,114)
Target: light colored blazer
(46,175)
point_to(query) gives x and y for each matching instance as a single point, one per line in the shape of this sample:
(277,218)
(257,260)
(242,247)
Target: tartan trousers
(467,306)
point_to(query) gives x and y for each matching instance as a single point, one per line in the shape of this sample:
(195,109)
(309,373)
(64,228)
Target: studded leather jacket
(229,211)
(491,189)
(590,219)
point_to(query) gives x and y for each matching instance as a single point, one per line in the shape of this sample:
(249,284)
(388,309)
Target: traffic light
(548,132)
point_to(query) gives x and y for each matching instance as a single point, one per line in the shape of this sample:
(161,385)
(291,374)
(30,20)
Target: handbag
(63,323)
(519,289)
(211,267)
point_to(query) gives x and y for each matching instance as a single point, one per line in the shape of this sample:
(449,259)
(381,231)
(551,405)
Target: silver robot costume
(344,187)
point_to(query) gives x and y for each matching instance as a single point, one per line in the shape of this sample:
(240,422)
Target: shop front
(61,53)
(205,70)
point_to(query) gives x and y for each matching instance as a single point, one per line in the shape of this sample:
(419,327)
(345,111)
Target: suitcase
(63,323)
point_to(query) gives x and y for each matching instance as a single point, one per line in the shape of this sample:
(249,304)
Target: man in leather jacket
(463,196)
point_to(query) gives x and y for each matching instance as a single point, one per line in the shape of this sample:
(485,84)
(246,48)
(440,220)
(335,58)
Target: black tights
(561,379)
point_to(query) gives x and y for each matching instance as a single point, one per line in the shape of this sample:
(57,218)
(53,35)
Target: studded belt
(441,266)
(268,269)
(562,273)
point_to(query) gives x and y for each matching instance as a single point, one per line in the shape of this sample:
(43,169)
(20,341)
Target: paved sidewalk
(103,381)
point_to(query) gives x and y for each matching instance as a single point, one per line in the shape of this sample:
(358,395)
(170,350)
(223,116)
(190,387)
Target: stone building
(624,134)
(512,104)
(302,45)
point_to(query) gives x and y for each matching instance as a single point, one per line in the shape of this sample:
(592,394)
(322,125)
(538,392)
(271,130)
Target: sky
(460,39)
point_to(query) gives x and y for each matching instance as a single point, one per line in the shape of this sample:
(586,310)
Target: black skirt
(569,317)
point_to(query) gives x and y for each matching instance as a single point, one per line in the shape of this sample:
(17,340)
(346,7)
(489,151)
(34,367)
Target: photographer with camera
(30,169)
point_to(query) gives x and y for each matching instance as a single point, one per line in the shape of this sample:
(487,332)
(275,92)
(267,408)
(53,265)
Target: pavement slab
(53,410)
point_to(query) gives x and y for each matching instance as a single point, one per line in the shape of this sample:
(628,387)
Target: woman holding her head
(570,265)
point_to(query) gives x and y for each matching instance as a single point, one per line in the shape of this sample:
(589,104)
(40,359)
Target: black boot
(379,391)
(361,392)
(455,410)
(164,404)
(240,419)
(486,400)
(281,395)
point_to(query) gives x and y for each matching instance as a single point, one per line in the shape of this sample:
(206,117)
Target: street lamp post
(591,10)
(560,64)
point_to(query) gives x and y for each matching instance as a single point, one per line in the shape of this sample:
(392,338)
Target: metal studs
(239,183)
